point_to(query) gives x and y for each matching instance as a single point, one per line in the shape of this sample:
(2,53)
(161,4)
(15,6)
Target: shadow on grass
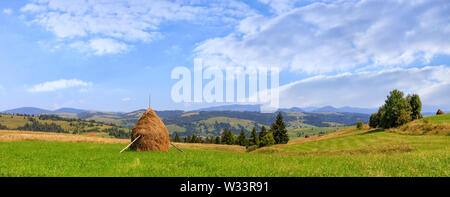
(373,131)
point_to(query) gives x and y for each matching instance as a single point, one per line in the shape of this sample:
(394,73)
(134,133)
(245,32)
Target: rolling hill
(211,123)
(52,123)
(349,152)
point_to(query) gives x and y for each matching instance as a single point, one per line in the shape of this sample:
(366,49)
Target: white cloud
(33,8)
(369,89)
(100,46)
(124,20)
(51,86)
(105,45)
(8,11)
(337,36)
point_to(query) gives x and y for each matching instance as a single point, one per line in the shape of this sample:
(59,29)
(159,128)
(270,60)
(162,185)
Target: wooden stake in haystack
(150,134)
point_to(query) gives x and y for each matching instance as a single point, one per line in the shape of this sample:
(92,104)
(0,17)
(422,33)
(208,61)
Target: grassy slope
(15,121)
(349,152)
(439,119)
(429,125)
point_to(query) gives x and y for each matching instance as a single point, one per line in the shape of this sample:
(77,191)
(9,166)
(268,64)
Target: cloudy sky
(110,55)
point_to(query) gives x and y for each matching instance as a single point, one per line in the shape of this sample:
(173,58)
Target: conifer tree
(254,139)
(242,139)
(267,140)
(279,131)
(217,140)
(177,138)
(263,132)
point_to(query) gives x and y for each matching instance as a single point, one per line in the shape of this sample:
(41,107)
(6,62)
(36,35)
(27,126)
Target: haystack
(439,112)
(153,132)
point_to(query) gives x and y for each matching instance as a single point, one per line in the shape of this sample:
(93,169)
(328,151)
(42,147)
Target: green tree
(416,106)
(193,138)
(374,120)
(263,132)
(224,137)
(242,138)
(396,110)
(279,130)
(217,140)
(267,140)
(188,139)
(228,137)
(177,138)
(254,139)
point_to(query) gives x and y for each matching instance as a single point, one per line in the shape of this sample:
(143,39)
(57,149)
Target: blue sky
(110,55)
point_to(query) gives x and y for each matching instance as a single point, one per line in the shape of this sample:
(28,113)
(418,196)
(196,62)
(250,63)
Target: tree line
(37,126)
(277,134)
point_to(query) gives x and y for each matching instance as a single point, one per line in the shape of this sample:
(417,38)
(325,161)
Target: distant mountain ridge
(256,108)
(426,110)
(39,111)
(236,107)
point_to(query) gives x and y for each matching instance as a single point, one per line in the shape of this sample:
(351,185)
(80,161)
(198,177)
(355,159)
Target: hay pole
(179,149)
(130,144)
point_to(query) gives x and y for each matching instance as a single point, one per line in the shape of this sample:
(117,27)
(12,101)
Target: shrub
(251,148)
(359,125)
(3,127)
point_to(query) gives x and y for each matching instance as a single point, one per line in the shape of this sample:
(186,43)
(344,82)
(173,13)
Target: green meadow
(377,153)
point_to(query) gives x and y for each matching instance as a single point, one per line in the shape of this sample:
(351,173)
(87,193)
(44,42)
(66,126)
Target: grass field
(440,119)
(348,152)
(300,132)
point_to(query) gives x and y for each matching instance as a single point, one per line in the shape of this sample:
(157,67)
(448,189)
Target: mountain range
(212,120)
(256,108)
(38,111)
(426,110)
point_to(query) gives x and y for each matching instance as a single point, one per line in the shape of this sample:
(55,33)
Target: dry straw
(153,132)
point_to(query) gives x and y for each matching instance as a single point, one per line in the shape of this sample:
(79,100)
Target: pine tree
(188,139)
(254,139)
(242,139)
(263,132)
(231,138)
(228,137)
(217,140)
(177,138)
(194,138)
(224,137)
(279,131)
